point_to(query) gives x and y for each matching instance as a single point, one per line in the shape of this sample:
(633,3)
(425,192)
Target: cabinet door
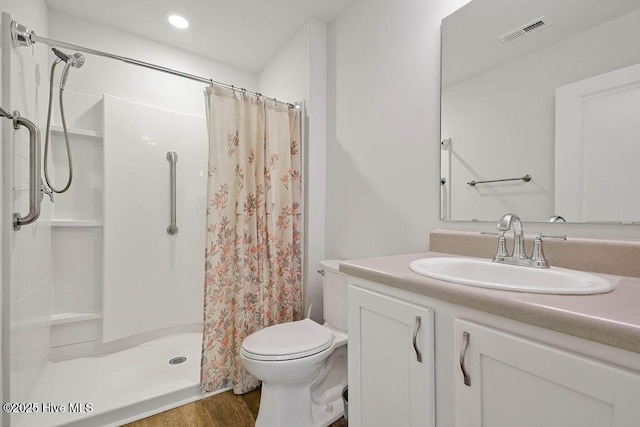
(388,385)
(517,382)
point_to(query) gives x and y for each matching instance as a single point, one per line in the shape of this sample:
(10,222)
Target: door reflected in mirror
(548,89)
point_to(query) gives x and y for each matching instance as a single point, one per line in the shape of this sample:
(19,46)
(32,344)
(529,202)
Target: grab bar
(525,178)
(172,158)
(35,183)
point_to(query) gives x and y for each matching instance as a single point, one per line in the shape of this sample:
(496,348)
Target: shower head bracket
(20,35)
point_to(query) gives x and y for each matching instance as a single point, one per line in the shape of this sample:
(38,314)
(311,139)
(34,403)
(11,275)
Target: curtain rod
(22,36)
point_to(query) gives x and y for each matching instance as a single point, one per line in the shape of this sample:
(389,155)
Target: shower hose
(66,137)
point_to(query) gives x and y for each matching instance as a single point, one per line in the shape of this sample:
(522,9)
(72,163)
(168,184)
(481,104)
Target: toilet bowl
(302,364)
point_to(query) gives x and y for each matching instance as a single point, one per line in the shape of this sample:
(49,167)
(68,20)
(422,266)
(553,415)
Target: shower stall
(102,296)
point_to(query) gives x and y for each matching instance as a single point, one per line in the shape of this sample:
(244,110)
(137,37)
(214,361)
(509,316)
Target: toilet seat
(287,341)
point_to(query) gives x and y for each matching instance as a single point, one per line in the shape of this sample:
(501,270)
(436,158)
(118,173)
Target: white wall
(383,127)
(26,253)
(298,72)
(383,133)
(502,121)
(286,75)
(101,75)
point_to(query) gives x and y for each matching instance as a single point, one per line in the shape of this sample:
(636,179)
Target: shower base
(121,386)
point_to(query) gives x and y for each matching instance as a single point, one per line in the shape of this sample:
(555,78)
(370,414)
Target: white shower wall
(26,253)
(152,280)
(78,224)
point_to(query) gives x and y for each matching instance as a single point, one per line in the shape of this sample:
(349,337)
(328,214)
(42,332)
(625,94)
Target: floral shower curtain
(253,271)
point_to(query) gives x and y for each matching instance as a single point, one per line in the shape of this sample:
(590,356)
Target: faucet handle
(501,251)
(539,236)
(537,257)
(556,218)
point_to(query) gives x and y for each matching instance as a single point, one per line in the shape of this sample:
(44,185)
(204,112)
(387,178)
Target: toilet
(302,364)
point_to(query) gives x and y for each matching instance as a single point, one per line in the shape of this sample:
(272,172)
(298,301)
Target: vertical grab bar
(35,183)
(172,158)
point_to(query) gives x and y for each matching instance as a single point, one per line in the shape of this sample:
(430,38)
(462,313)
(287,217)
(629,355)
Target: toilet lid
(286,341)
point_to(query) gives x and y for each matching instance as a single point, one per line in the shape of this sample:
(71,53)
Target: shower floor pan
(120,387)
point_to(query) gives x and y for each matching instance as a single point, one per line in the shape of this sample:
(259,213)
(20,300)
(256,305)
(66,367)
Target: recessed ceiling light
(178,21)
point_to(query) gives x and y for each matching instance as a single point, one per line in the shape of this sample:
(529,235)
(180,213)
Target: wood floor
(222,410)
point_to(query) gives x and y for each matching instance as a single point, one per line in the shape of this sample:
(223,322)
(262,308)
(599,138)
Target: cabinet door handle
(463,352)
(416,328)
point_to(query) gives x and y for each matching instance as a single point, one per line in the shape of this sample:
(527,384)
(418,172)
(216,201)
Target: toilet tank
(334,294)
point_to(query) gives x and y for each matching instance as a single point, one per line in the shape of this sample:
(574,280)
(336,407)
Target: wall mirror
(543,98)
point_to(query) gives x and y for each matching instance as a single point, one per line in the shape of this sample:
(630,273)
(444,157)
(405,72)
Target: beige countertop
(612,318)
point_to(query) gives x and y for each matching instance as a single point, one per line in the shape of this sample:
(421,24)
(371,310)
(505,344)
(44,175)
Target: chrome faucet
(519,256)
(505,224)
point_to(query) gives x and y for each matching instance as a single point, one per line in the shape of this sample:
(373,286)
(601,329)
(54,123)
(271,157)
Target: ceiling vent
(523,31)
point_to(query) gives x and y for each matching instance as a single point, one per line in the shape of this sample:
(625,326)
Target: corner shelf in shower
(78,132)
(75,223)
(62,318)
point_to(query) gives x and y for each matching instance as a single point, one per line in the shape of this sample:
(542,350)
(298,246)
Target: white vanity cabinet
(519,375)
(513,381)
(391,363)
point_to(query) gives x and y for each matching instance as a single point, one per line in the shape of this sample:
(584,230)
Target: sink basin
(487,274)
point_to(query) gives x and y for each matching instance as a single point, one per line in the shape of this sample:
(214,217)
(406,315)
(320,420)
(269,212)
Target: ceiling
(243,33)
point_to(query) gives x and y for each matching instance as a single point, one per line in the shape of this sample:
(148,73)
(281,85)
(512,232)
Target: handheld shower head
(75,61)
